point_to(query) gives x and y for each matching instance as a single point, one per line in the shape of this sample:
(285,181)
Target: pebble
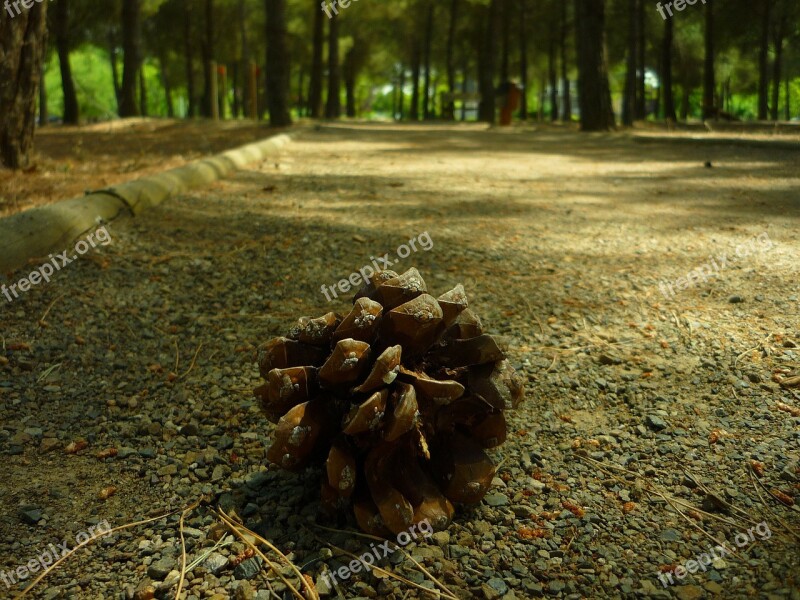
(496,499)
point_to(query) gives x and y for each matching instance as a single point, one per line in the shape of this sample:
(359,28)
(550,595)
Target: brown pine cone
(399,399)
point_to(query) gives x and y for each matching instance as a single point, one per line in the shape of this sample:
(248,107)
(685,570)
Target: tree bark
(629,93)
(787,114)
(402,99)
(241,73)
(333,106)
(131,42)
(142,92)
(191,110)
(567,112)
(350,73)
(487,58)
(505,74)
(641,108)
(763,61)
(594,95)
(709,79)
(22,47)
(416,60)
(777,66)
(209,72)
(165,83)
(315,85)
(426,98)
(277,65)
(523,59)
(449,111)
(666,67)
(553,78)
(44,117)
(112,56)
(61,25)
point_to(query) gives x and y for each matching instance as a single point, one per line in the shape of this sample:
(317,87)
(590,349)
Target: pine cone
(399,399)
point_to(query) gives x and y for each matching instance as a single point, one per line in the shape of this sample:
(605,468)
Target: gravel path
(648,412)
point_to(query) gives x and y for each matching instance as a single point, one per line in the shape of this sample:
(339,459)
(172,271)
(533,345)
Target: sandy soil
(68,161)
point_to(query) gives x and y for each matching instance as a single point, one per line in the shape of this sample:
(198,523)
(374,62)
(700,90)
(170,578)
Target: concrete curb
(40,231)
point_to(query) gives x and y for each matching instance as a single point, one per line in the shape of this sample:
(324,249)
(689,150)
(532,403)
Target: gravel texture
(647,423)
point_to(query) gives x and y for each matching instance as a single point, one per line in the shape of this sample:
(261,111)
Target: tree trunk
(131,38)
(333,106)
(62,28)
(777,66)
(787,114)
(241,73)
(142,92)
(449,111)
(416,59)
(191,110)
(315,85)
(641,108)
(209,72)
(426,98)
(278,67)
(629,93)
(666,67)
(44,117)
(505,74)
(349,73)
(301,103)
(162,63)
(567,112)
(594,95)
(709,79)
(464,85)
(553,78)
(112,56)
(523,60)
(22,47)
(763,61)
(487,58)
(402,99)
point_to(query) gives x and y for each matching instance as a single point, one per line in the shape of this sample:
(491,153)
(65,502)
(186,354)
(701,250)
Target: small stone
(189,429)
(670,535)
(496,499)
(247,569)
(244,591)
(655,423)
(735,299)
(30,514)
(49,444)
(556,586)
(159,570)
(689,592)
(126,452)
(215,563)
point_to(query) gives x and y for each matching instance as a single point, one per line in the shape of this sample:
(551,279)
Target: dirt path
(561,241)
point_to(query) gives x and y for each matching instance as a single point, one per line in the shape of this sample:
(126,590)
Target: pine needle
(47,571)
